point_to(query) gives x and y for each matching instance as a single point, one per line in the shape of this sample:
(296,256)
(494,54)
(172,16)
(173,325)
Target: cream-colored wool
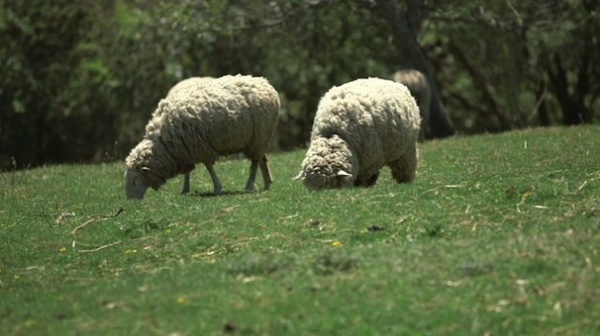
(186,84)
(359,127)
(418,85)
(226,115)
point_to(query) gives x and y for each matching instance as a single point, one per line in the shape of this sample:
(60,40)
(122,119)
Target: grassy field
(499,235)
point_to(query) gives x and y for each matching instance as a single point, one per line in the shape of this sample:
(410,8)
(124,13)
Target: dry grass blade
(96,249)
(95,219)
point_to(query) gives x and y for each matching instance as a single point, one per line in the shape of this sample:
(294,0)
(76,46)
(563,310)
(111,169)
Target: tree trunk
(572,106)
(411,56)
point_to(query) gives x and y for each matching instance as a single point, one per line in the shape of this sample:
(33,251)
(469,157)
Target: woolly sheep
(227,115)
(418,86)
(186,84)
(359,127)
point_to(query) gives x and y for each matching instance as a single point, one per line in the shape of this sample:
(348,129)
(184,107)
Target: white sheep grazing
(186,84)
(359,127)
(227,115)
(418,85)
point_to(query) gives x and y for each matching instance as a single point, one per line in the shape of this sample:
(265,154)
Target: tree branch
(481,83)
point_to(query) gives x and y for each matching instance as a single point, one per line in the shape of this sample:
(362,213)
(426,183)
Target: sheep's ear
(343,173)
(298,177)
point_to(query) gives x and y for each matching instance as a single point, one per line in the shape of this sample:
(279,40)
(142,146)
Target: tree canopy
(80,79)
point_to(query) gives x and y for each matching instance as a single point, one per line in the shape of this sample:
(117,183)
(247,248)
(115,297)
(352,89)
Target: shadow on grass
(252,264)
(223,193)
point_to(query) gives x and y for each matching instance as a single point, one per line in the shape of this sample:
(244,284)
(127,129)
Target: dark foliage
(80,79)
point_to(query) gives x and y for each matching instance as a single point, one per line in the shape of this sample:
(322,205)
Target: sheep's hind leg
(186,184)
(252,177)
(216,183)
(266,172)
(404,169)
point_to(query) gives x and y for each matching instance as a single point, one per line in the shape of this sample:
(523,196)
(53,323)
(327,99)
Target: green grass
(499,235)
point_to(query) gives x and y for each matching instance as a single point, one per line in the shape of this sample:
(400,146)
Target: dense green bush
(79,79)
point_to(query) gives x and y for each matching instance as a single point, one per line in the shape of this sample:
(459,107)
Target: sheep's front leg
(216,183)
(369,182)
(186,184)
(186,179)
(266,172)
(252,177)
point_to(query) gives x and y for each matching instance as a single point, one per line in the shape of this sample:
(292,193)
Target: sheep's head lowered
(134,186)
(329,163)
(142,168)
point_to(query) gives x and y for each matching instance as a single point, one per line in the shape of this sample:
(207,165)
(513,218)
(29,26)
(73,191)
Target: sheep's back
(189,83)
(414,80)
(377,117)
(228,115)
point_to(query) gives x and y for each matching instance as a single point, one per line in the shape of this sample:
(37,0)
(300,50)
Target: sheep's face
(135,188)
(146,169)
(325,176)
(328,164)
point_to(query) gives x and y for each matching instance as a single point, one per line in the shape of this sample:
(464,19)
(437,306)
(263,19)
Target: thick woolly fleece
(418,85)
(231,114)
(359,127)
(186,84)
